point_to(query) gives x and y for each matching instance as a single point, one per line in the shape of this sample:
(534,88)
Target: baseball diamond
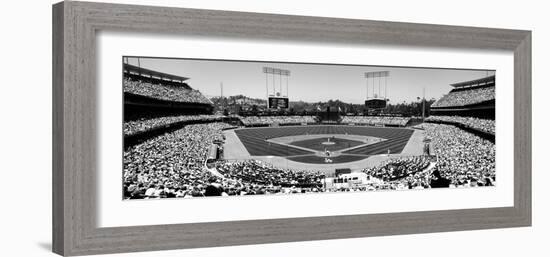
(257,142)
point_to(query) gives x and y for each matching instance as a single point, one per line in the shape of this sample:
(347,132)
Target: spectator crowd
(376,120)
(171,164)
(402,170)
(166,92)
(476,123)
(145,124)
(257,172)
(281,120)
(466,97)
(463,158)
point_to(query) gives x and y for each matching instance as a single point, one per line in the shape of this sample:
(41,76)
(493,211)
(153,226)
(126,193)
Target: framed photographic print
(248,128)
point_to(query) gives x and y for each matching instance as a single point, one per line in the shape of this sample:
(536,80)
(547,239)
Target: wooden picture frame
(75,25)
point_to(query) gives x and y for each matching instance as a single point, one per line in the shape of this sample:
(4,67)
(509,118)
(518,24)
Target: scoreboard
(278,102)
(375,103)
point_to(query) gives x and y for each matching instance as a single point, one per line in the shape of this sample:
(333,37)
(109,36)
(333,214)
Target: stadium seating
(402,173)
(463,158)
(399,168)
(475,123)
(464,97)
(259,173)
(170,165)
(376,120)
(145,124)
(281,120)
(166,91)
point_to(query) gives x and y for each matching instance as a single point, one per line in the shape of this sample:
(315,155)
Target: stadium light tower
(276,100)
(376,101)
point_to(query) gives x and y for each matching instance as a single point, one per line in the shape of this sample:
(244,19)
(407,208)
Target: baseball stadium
(182,141)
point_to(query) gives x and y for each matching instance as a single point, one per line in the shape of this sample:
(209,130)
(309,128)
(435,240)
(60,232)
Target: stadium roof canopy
(128,68)
(475,82)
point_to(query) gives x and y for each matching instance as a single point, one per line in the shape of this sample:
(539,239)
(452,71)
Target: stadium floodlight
(276,71)
(276,99)
(377,74)
(377,99)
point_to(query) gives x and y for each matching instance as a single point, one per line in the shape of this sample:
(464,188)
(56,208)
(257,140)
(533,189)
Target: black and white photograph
(200,128)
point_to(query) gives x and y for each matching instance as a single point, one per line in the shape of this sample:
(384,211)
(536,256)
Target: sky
(311,82)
